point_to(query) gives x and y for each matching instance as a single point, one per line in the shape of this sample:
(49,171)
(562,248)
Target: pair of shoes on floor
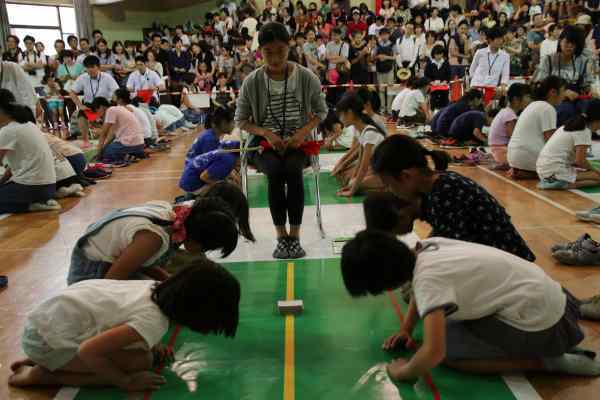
(50,205)
(552,184)
(592,215)
(583,251)
(74,190)
(288,248)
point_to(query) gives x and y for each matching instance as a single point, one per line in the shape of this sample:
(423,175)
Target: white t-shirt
(411,103)
(548,47)
(527,139)
(138,81)
(472,281)
(103,86)
(86,309)
(370,135)
(29,156)
(489,69)
(167,114)
(109,242)
(434,24)
(142,120)
(397,103)
(558,155)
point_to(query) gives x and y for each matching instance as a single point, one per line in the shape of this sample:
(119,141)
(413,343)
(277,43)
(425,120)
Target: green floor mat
(258,191)
(337,347)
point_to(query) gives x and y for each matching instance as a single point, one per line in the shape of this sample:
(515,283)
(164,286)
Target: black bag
(387,65)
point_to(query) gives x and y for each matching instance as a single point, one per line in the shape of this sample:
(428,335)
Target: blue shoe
(592,215)
(552,184)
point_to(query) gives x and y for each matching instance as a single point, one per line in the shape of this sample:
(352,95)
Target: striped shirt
(293,109)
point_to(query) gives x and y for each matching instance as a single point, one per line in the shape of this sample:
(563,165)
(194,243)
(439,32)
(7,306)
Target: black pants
(15,198)
(282,170)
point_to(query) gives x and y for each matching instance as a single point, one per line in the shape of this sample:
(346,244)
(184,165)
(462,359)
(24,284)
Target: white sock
(45,206)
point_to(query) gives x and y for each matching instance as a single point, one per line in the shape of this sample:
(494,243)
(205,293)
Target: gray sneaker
(569,245)
(592,215)
(295,250)
(281,250)
(590,308)
(586,252)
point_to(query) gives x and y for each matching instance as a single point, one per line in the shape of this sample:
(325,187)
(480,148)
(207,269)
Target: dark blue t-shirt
(217,163)
(204,143)
(447,116)
(463,126)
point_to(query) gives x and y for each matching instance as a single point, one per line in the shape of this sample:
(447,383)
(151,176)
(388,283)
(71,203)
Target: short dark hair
(517,91)
(375,261)
(96,31)
(140,58)
(573,35)
(382,211)
(156,35)
(495,33)
(384,31)
(399,152)
(84,40)
(29,38)
(59,41)
(100,102)
(71,37)
(91,61)
(203,296)
(65,53)
(212,224)
(438,49)
(336,31)
(123,95)
(273,32)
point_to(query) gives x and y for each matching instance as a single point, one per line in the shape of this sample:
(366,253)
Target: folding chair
(314,165)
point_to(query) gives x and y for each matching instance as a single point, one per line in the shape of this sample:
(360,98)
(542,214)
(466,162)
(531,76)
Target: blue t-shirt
(447,116)
(217,163)
(206,142)
(463,126)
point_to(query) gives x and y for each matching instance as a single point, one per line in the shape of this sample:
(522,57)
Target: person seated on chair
(121,134)
(209,168)
(361,178)
(468,127)
(281,102)
(415,109)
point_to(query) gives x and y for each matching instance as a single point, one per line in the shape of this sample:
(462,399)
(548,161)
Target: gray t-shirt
(333,49)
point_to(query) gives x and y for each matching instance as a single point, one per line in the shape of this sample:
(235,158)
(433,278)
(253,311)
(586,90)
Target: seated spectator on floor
(534,127)
(192,112)
(94,84)
(503,125)
(29,180)
(207,169)
(415,109)
(468,127)
(444,118)
(143,78)
(121,135)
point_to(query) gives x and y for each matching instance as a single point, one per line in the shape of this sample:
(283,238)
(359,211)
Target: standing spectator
(385,67)
(249,22)
(179,61)
(13,52)
(434,22)
(73,43)
(359,53)
(406,48)
(59,47)
(513,46)
(312,54)
(161,55)
(438,71)
(356,24)
(491,65)
(32,62)
(105,57)
(337,52)
(550,45)
(376,26)
(185,39)
(535,37)
(85,50)
(68,70)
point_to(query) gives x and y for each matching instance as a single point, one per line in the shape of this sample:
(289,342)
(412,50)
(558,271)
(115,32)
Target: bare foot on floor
(20,363)
(29,376)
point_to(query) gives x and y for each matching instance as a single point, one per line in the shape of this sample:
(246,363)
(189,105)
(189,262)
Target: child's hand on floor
(345,193)
(144,381)
(401,338)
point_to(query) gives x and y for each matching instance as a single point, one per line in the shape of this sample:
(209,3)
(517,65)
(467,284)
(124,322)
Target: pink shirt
(126,127)
(498,135)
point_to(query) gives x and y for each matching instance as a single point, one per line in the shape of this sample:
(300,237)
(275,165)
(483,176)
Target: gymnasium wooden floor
(35,251)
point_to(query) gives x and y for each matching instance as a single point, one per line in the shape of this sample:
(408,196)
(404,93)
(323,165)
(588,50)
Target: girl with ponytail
(455,206)
(566,151)
(29,180)
(534,127)
(350,110)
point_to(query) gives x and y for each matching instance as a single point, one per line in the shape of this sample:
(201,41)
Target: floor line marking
(289,390)
(67,393)
(413,346)
(531,192)
(521,388)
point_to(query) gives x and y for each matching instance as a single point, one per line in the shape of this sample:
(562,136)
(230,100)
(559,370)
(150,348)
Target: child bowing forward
(484,310)
(105,332)
(130,242)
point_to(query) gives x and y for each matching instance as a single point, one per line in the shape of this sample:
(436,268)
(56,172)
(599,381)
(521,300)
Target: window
(45,23)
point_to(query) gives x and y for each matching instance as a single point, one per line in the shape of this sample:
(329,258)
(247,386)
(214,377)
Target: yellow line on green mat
(289,390)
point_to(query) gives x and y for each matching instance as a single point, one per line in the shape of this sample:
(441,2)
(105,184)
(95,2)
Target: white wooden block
(290,307)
